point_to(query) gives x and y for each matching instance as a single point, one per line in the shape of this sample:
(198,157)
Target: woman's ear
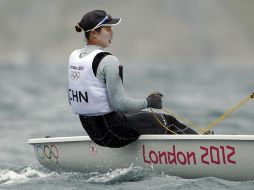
(93,34)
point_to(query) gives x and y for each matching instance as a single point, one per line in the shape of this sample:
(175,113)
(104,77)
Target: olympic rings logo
(74,75)
(48,153)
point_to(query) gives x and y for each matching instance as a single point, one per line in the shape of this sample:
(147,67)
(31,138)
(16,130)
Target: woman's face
(104,37)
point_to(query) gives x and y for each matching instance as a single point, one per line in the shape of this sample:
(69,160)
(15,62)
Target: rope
(228,113)
(161,124)
(214,123)
(186,121)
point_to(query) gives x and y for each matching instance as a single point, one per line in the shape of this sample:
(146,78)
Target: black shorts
(117,129)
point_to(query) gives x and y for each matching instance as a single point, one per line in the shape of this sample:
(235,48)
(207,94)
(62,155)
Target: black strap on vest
(97,59)
(121,72)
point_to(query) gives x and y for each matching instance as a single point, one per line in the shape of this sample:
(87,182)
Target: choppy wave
(126,178)
(14,176)
(120,175)
(30,174)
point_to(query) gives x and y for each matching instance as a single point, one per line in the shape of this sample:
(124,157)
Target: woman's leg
(146,123)
(108,130)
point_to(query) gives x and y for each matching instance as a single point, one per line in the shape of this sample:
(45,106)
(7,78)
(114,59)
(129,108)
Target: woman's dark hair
(79,29)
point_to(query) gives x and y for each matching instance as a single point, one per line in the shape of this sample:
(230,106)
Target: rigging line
(186,121)
(161,124)
(228,113)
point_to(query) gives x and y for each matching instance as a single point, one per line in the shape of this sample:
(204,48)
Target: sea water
(34,104)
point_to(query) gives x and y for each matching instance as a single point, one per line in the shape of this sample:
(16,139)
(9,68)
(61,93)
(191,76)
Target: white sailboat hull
(188,156)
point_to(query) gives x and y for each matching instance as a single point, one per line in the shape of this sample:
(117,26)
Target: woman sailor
(97,95)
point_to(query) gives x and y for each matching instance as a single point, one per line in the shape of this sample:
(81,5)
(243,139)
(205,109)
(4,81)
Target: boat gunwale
(146,138)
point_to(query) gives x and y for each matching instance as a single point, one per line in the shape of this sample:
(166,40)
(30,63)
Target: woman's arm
(109,70)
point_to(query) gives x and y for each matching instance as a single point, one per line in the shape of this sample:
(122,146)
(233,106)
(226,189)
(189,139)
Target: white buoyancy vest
(87,94)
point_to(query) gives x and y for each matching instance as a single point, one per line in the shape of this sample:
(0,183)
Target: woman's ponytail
(78,28)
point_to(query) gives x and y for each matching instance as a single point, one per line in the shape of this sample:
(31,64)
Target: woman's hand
(154,100)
